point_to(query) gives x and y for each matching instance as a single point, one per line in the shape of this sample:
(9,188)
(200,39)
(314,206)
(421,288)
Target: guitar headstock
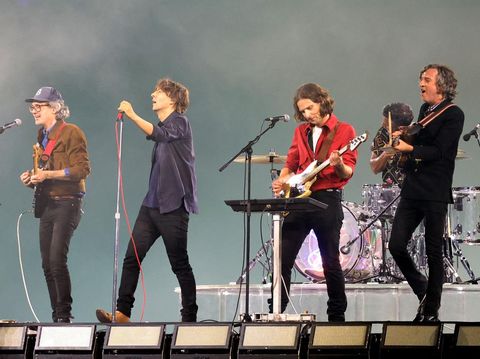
(36,150)
(354,143)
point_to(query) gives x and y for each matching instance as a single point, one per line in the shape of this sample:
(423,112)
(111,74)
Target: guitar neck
(36,156)
(326,163)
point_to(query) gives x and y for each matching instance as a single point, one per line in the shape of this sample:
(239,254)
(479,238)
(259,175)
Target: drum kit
(365,233)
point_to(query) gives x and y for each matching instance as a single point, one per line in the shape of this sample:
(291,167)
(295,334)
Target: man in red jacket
(319,136)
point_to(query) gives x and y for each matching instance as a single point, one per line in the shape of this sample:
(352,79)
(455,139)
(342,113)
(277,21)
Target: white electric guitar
(298,186)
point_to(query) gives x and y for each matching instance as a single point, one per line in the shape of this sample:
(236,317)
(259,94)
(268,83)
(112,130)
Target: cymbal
(461,155)
(271,157)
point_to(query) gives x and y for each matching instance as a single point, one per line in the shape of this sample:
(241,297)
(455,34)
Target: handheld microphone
(473,132)
(120,116)
(284,118)
(6,126)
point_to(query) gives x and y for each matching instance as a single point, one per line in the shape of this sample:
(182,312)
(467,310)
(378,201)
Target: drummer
(386,162)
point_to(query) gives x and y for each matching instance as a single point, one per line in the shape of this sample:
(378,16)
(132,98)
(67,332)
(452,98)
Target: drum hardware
(363,254)
(376,196)
(464,215)
(450,273)
(385,273)
(457,251)
(271,157)
(267,264)
(346,248)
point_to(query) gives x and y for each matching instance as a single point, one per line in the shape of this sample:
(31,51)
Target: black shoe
(189,318)
(63,320)
(336,318)
(419,317)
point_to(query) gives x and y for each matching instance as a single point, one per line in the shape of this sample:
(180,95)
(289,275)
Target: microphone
(473,132)
(346,248)
(284,118)
(6,126)
(120,116)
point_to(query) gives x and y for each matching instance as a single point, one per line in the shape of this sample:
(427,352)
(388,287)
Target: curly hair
(401,113)
(62,112)
(176,91)
(446,81)
(315,93)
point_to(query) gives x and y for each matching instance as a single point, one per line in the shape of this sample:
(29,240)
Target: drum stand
(451,274)
(452,248)
(267,264)
(384,273)
(458,252)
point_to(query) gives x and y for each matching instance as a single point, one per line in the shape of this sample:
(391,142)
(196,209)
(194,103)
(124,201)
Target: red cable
(127,221)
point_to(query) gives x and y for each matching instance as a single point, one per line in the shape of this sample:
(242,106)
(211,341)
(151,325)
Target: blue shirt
(173,181)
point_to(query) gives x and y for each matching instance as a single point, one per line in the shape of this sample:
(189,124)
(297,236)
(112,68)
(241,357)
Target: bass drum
(365,254)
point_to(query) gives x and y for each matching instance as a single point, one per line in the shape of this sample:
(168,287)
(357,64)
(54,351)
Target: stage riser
(366,302)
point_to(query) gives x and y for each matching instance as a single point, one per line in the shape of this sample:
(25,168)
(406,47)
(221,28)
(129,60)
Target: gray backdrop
(242,61)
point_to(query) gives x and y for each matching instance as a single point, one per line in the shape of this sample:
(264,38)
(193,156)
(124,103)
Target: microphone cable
(20,260)
(127,221)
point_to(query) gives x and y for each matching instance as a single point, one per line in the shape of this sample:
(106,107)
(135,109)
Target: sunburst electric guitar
(298,186)
(39,197)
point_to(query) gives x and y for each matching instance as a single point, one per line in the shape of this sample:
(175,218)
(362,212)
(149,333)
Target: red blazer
(300,155)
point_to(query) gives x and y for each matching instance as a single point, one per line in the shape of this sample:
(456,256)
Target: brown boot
(106,317)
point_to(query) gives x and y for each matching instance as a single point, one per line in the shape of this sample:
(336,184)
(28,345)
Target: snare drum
(464,215)
(377,196)
(364,255)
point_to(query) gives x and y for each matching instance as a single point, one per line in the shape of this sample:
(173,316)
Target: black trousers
(408,216)
(326,225)
(57,224)
(173,228)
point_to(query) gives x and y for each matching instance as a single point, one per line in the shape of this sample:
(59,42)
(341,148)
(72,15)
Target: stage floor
(366,302)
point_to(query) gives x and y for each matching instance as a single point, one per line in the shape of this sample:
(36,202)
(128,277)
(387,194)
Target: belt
(63,197)
(338,190)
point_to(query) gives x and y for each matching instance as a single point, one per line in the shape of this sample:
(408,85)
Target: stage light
(267,340)
(339,340)
(139,340)
(467,340)
(74,341)
(402,339)
(15,341)
(202,341)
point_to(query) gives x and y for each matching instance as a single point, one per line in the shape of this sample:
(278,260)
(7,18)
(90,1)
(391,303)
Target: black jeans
(173,228)
(408,216)
(57,223)
(326,224)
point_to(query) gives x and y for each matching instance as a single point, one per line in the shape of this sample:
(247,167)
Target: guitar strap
(428,119)
(50,145)
(327,142)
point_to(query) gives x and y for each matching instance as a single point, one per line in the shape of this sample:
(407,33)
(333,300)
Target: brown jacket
(70,152)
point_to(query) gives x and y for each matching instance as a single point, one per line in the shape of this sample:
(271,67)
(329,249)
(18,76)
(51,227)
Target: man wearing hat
(59,188)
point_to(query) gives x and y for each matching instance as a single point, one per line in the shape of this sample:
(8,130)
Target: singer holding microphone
(59,189)
(427,188)
(318,137)
(171,197)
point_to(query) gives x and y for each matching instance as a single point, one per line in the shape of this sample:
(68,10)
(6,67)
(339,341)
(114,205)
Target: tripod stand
(452,248)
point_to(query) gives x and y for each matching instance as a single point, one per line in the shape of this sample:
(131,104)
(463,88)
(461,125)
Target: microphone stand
(476,136)
(247,149)
(117,219)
